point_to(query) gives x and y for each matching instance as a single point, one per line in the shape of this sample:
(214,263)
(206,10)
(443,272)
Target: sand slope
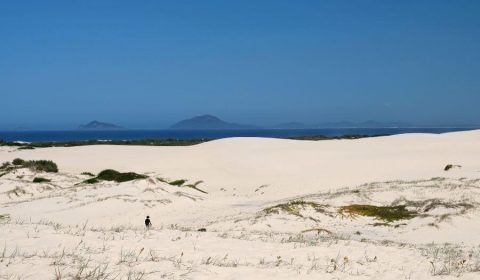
(272,211)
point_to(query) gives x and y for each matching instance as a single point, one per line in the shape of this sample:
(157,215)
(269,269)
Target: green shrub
(113,175)
(18,161)
(88,174)
(41,180)
(178,183)
(41,165)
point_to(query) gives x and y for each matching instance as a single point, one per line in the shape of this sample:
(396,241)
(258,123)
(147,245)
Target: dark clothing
(148,223)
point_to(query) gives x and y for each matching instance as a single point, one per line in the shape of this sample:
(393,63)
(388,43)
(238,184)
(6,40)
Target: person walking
(148,223)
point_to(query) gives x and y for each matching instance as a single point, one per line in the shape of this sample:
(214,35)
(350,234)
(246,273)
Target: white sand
(67,228)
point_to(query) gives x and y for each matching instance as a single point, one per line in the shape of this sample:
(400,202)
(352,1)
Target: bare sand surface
(273,209)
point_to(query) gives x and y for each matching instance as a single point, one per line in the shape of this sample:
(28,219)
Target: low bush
(18,161)
(41,165)
(88,174)
(178,183)
(113,175)
(41,180)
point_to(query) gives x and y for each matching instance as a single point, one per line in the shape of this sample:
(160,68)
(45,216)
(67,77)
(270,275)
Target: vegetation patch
(318,230)
(450,166)
(91,181)
(26,148)
(194,186)
(385,213)
(4,165)
(4,217)
(294,207)
(16,191)
(88,174)
(163,180)
(18,161)
(41,180)
(178,183)
(346,136)
(36,165)
(113,175)
(428,205)
(139,142)
(181,183)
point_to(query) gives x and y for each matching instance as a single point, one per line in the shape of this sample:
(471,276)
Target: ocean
(71,135)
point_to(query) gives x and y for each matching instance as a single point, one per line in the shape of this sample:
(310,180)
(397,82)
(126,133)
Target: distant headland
(96,125)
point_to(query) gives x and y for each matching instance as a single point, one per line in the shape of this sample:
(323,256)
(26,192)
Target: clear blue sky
(151,63)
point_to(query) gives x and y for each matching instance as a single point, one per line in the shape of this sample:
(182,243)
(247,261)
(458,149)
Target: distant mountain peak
(207,122)
(99,125)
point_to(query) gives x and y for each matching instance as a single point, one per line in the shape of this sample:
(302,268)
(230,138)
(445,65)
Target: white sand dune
(272,211)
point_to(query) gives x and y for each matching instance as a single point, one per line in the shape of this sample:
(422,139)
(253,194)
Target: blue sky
(147,64)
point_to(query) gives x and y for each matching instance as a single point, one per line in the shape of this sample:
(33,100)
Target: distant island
(96,125)
(208,122)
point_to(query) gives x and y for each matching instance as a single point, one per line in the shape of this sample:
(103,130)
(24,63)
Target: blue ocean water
(70,135)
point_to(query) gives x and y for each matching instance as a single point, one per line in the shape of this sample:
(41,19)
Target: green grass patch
(385,213)
(293,207)
(41,180)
